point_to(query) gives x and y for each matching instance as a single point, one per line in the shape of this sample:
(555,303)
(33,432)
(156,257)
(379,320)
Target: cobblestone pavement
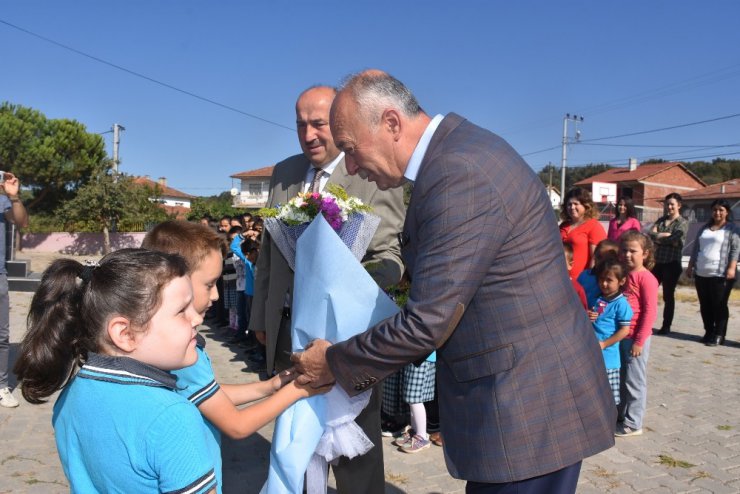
(691,441)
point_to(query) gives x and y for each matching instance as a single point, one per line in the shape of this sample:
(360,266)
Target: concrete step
(24,284)
(18,269)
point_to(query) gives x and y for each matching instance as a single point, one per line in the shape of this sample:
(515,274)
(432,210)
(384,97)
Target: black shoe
(714,341)
(663,331)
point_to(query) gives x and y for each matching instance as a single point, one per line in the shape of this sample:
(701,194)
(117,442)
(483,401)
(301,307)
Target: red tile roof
(642,172)
(259,173)
(166,191)
(714,191)
(180,212)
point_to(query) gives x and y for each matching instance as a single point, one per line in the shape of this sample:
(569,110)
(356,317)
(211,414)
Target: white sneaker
(7,399)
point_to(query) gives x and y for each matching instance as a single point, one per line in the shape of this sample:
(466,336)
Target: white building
(253,188)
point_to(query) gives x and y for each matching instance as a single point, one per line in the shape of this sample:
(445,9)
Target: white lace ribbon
(342,437)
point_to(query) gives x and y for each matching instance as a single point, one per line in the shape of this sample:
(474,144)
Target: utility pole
(549,186)
(568,117)
(117,128)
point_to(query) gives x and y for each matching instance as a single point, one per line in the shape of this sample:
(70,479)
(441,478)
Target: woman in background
(669,234)
(625,219)
(714,265)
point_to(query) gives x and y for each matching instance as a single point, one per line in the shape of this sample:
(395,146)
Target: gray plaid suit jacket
(522,383)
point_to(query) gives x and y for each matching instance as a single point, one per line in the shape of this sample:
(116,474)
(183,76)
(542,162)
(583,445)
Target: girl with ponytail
(107,335)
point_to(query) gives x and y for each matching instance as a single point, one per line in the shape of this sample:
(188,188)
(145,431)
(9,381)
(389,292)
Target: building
(648,184)
(172,200)
(554,194)
(696,203)
(253,188)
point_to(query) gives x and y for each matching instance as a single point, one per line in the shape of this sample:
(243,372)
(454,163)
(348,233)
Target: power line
(703,146)
(588,141)
(685,158)
(734,115)
(145,77)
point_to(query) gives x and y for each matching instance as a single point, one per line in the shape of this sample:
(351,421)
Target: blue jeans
(633,384)
(4,330)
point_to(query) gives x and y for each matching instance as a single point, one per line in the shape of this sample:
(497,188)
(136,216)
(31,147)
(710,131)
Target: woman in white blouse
(714,265)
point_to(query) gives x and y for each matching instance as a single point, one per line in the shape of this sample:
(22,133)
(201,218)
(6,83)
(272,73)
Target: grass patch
(17,457)
(672,462)
(396,478)
(701,474)
(724,427)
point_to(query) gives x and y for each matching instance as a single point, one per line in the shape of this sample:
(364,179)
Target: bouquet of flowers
(348,216)
(323,237)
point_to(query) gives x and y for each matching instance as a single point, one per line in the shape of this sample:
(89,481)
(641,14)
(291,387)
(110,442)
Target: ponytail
(71,309)
(52,343)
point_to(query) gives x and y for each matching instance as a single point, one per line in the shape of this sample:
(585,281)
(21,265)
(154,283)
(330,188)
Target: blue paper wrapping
(333,298)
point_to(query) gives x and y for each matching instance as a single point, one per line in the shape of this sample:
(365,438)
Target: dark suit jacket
(522,383)
(274,278)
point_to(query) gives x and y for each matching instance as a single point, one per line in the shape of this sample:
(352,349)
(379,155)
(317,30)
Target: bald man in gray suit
(523,393)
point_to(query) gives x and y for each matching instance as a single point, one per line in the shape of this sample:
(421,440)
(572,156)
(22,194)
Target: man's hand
(11,185)
(311,364)
(261,337)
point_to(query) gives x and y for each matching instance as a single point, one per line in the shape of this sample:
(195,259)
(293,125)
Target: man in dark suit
(523,389)
(273,284)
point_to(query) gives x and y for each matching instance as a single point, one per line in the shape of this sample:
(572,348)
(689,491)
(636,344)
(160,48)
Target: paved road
(691,443)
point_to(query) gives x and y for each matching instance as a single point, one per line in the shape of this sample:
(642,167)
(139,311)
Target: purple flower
(332,213)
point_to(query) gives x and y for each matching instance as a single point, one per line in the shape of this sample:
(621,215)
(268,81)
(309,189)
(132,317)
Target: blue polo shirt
(119,427)
(613,314)
(197,383)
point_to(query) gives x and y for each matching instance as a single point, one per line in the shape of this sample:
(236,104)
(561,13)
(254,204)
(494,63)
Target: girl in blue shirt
(107,335)
(611,315)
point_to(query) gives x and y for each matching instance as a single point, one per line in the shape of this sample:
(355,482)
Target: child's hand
(311,391)
(592,315)
(636,350)
(283,378)
(602,345)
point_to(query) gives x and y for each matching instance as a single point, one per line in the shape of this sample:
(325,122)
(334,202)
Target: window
(255,189)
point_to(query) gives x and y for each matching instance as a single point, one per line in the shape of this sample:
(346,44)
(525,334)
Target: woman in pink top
(624,220)
(580,228)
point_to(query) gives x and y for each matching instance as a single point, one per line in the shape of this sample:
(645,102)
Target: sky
(207,89)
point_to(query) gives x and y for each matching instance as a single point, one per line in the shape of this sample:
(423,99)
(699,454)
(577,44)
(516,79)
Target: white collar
(412,169)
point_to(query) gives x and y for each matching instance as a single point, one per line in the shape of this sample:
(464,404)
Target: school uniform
(197,383)
(119,427)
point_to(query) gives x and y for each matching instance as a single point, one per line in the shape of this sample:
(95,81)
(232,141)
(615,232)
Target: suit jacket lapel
(340,176)
(410,242)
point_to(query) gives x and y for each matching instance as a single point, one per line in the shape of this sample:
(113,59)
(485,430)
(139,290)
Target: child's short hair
(645,243)
(568,249)
(235,229)
(191,240)
(606,249)
(249,246)
(611,264)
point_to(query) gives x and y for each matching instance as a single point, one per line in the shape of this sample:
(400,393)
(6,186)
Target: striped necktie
(316,182)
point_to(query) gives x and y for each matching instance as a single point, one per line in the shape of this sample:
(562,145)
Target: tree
(213,206)
(108,199)
(52,157)
(572,175)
